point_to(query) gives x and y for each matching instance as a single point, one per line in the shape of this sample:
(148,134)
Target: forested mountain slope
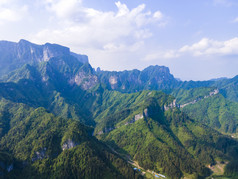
(210,107)
(156,134)
(49,110)
(41,145)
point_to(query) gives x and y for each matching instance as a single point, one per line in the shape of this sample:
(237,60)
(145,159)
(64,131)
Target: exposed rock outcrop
(69,144)
(39,155)
(138,116)
(86,81)
(171,105)
(113,82)
(212,93)
(135,118)
(146,112)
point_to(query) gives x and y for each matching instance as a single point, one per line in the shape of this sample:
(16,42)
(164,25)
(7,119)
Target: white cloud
(62,8)
(86,27)
(212,47)
(107,37)
(158,15)
(205,47)
(3,2)
(10,11)
(8,14)
(122,9)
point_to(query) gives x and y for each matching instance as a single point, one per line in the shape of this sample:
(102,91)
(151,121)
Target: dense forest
(59,118)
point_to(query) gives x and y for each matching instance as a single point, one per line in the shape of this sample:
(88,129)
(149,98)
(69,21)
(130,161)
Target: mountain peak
(153,77)
(15,55)
(23,41)
(157,68)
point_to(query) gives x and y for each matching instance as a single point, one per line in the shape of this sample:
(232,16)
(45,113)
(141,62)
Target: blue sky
(197,40)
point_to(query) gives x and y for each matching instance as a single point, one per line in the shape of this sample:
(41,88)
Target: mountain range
(61,118)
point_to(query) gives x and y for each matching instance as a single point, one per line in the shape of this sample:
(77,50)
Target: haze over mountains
(52,101)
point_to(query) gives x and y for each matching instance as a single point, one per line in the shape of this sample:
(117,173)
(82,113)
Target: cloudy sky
(196,39)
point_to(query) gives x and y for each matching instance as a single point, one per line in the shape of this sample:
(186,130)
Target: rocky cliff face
(151,78)
(14,55)
(86,81)
(171,105)
(212,93)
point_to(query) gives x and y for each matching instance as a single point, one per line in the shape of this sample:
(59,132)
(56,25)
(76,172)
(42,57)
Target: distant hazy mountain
(218,79)
(14,55)
(151,78)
